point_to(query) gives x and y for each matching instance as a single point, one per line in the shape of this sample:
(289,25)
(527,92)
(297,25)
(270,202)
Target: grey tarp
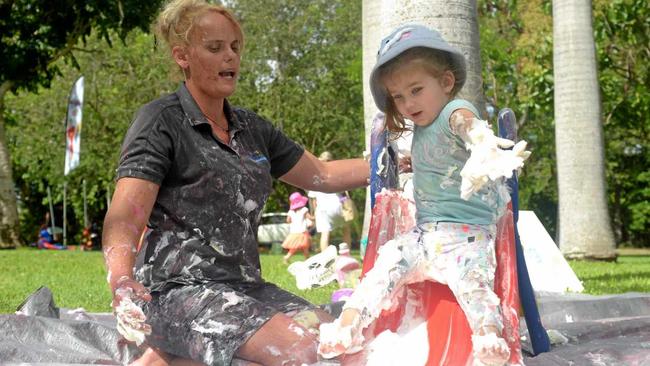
(597,330)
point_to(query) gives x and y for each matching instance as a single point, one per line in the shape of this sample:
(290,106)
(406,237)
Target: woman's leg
(280,341)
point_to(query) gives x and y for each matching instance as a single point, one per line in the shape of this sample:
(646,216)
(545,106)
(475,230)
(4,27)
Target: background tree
(35,34)
(313,93)
(584,224)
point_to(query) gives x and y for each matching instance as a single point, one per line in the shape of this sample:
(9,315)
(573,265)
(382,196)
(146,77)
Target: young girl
(457,190)
(299,219)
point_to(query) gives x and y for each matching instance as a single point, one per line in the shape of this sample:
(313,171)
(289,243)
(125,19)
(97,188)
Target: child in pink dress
(299,220)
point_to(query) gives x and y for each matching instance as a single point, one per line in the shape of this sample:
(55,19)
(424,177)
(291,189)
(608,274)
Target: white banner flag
(73,126)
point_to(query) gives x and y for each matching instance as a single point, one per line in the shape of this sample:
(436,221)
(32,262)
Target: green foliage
(314,93)
(622,32)
(36,33)
(517,54)
(118,81)
(301,69)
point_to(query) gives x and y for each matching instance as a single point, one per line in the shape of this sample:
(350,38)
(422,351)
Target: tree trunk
(8,211)
(457,21)
(584,225)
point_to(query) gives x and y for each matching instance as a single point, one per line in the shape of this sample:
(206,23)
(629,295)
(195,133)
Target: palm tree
(8,211)
(584,225)
(457,21)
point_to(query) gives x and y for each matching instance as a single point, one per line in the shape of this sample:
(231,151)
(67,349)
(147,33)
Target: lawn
(78,279)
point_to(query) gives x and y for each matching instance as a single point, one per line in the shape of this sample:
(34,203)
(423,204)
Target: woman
(197,171)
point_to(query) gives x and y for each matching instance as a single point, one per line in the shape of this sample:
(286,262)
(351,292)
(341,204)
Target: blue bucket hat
(406,37)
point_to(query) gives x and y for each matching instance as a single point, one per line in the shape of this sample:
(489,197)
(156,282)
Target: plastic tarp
(588,330)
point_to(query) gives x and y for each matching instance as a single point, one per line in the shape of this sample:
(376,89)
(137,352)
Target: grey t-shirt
(203,226)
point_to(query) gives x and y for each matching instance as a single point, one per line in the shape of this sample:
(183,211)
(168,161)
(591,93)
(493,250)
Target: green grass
(78,279)
(630,273)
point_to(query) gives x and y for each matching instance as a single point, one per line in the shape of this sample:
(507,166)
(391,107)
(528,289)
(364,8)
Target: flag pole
(49,199)
(65,218)
(83,182)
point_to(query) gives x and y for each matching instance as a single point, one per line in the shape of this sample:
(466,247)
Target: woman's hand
(405,164)
(131,289)
(131,321)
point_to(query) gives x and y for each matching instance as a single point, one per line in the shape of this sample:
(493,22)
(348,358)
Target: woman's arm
(333,176)
(126,217)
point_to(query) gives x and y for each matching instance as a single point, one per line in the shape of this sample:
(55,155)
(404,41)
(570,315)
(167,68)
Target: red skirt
(297,241)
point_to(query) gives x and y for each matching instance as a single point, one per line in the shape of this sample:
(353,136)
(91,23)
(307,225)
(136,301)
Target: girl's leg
(472,281)
(290,253)
(396,261)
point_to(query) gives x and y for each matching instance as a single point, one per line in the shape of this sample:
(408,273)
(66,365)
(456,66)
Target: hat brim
(299,203)
(378,91)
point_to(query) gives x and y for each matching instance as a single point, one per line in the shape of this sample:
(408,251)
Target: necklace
(214,123)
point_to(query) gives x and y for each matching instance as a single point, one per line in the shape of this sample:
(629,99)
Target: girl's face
(418,95)
(211,61)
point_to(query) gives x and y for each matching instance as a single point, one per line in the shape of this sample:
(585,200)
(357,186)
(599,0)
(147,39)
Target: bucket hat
(297,200)
(406,37)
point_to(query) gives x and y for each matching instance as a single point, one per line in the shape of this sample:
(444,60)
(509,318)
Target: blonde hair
(434,62)
(177,19)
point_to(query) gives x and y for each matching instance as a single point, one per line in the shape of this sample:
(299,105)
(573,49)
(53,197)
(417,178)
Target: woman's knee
(280,341)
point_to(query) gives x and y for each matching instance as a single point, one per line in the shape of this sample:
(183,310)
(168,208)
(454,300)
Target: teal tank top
(438,156)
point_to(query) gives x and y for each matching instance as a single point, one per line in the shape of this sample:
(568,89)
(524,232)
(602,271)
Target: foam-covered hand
(131,321)
(488,159)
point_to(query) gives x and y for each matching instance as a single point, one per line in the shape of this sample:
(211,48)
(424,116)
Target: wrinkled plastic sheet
(40,332)
(599,330)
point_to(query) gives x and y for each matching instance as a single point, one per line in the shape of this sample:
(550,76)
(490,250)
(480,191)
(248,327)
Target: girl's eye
(214,49)
(397,97)
(415,91)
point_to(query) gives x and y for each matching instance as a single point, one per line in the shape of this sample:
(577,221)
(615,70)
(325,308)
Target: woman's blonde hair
(434,62)
(177,19)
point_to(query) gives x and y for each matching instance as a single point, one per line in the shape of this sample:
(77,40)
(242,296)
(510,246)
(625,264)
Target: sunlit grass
(78,279)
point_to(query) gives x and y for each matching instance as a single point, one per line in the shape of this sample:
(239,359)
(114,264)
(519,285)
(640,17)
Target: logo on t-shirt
(258,157)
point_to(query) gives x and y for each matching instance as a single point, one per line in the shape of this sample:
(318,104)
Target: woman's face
(211,61)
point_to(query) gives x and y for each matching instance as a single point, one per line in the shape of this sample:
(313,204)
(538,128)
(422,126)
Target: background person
(327,212)
(299,220)
(197,172)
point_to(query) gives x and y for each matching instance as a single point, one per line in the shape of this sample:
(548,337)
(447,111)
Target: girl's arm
(488,160)
(460,123)
(333,176)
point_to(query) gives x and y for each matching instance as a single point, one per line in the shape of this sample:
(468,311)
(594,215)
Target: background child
(459,196)
(299,219)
